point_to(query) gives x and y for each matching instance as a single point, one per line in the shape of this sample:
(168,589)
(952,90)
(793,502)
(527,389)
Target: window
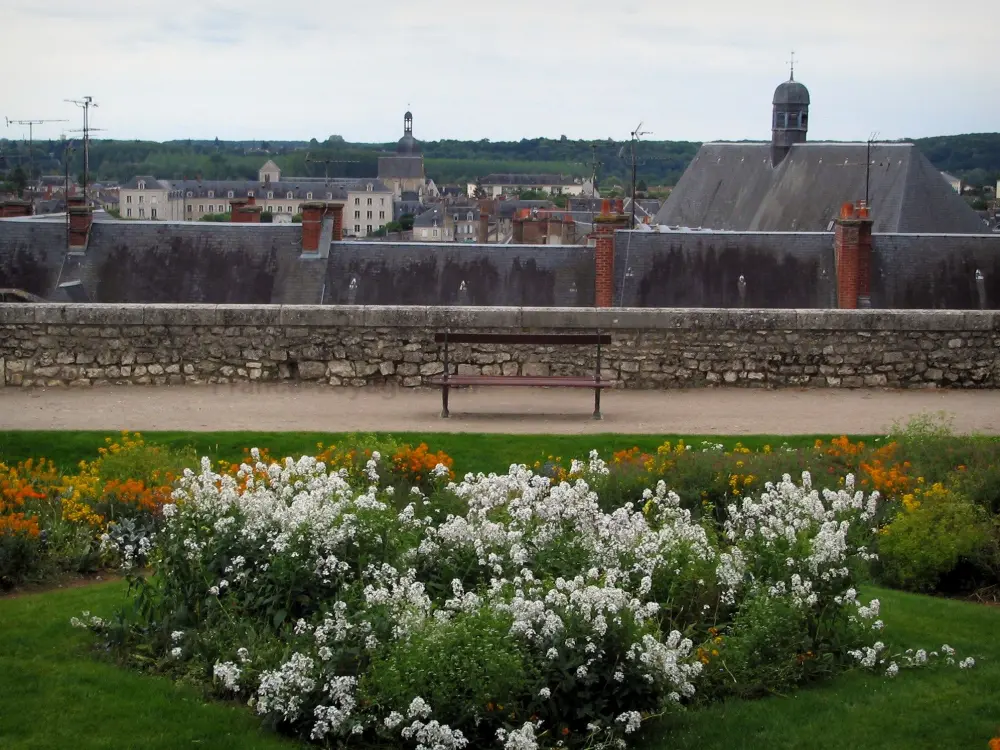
(357,228)
(140,199)
(369,187)
(423,232)
(369,201)
(381,201)
(289,195)
(230,193)
(369,214)
(329,196)
(309,196)
(142,213)
(142,185)
(128,198)
(201,208)
(152,213)
(190,208)
(270,194)
(469,217)
(211,209)
(270,209)
(381,214)
(357,214)
(435,233)
(249,193)
(369,229)
(357,201)
(128,212)
(211,193)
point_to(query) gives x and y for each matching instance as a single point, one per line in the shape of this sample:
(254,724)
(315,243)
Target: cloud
(587,69)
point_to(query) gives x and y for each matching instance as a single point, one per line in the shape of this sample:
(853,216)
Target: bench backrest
(545,339)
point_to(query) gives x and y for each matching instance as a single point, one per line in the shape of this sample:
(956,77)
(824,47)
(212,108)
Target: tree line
(975,158)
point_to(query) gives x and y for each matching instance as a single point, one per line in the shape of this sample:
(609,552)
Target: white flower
(545,693)
(892,670)
(229,673)
(176,652)
(631,719)
(176,635)
(418,708)
(967,663)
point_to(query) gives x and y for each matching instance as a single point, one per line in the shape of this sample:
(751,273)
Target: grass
(57,694)
(471,451)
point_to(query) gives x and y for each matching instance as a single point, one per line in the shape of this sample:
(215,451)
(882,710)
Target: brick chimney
(611,218)
(243,212)
(14,208)
(484,228)
(80,220)
(313,214)
(852,246)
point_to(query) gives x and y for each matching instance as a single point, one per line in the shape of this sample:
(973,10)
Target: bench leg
(597,403)
(444,401)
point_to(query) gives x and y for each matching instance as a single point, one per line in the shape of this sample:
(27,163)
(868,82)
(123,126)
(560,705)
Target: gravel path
(704,411)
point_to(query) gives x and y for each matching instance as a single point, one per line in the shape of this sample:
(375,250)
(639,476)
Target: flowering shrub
(508,610)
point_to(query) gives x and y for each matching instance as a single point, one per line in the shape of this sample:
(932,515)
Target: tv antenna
(31,138)
(868,166)
(635,136)
(85,104)
(327,162)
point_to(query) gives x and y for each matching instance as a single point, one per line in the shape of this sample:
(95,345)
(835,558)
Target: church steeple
(790,118)
(408,124)
(408,144)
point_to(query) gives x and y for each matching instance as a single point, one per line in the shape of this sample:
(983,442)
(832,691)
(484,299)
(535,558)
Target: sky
(586,69)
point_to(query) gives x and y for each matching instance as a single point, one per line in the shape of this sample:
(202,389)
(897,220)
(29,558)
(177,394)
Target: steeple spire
(791,63)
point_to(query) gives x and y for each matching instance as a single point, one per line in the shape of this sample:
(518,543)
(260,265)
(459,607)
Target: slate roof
(432,217)
(401,167)
(732,186)
(300,190)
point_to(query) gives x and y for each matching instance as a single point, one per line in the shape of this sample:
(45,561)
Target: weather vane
(791,64)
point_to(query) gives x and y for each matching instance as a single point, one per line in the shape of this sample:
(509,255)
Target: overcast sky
(298,69)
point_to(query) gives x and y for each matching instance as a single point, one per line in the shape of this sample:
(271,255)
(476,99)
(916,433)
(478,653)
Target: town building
(497,185)
(403,172)
(368,202)
(792,185)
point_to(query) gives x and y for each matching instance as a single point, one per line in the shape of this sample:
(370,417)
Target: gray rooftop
(732,186)
(401,167)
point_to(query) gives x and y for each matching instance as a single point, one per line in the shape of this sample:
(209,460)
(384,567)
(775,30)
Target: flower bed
(502,610)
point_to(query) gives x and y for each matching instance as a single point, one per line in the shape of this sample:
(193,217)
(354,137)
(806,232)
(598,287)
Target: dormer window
(309,196)
(211,193)
(230,194)
(329,196)
(142,185)
(249,193)
(289,195)
(369,187)
(469,217)
(190,194)
(270,194)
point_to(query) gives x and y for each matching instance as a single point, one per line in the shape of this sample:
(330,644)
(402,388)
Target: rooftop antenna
(85,104)
(636,134)
(326,164)
(868,166)
(31,138)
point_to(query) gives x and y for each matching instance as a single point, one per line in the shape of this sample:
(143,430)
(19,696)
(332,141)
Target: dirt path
(725,411)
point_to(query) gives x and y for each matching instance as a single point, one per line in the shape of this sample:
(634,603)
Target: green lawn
(57,694)
(471,451)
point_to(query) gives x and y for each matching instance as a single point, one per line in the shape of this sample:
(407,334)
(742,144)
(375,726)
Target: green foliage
(465,668)
(224,217)
(924,545)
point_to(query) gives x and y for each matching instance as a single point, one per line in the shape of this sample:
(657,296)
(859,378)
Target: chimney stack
(484,228)
(14,208)
(313,215)
(244,212)
(612,218)
(852,245)
(80,220)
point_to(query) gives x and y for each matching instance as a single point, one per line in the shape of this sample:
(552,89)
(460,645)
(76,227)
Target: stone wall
(83,345)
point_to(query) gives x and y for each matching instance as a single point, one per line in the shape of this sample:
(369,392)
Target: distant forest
(976,158)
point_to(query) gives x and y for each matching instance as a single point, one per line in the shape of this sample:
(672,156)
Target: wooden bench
(447,380)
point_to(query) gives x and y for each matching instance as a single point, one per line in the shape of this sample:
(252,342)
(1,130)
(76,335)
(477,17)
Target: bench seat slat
(523,380)
(551,339)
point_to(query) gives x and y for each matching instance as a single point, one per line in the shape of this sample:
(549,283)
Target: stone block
(247,315)
(316,316)
(16,313)
(536,369)
(431,368)
(312,370)
(340,368)
(388,368)
(508,368)
(464,369)
(873,381)
(178,315)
